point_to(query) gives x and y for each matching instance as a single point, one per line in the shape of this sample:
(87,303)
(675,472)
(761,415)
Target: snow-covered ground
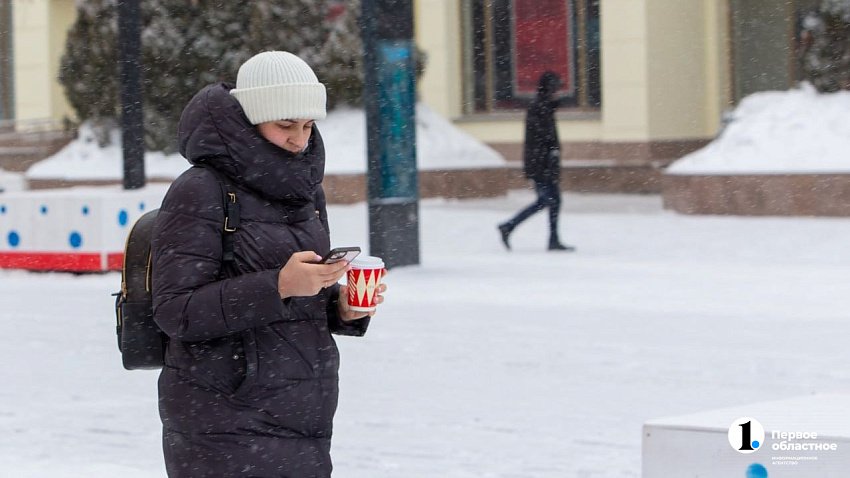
(481,363)
(798,131)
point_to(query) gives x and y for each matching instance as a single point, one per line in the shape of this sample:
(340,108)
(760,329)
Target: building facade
(645,80)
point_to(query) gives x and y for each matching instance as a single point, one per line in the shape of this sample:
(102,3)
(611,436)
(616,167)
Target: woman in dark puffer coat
(249,387)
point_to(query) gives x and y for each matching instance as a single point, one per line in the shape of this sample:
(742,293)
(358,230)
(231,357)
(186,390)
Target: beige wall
(40,28)
(625,103)
(665,69)
(685,59)
(438,35)
(62,16)
(676,86)
(718,59)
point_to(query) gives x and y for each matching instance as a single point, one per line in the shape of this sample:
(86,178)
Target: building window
(508,44)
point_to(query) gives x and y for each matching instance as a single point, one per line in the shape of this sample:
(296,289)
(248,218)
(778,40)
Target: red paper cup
(364,277)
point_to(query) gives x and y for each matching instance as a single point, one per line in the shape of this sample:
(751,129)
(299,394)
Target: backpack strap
(232,218)
(231,222)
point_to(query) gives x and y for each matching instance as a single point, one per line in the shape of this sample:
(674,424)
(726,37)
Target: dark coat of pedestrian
(541,149)
(250,383)
(542,161)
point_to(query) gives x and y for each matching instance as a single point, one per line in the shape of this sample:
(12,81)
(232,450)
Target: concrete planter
(758,194)
(700,444)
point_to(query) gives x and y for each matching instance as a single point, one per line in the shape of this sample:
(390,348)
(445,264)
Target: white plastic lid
(367,262)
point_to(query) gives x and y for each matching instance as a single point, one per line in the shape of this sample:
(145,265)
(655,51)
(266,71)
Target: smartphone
(340,254)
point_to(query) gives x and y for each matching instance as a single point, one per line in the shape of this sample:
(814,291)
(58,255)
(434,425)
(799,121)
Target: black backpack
(140,341)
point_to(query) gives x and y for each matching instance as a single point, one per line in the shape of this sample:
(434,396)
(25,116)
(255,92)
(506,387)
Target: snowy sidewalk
(482,363)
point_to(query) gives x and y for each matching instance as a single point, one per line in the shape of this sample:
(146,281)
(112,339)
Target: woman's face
(291,135)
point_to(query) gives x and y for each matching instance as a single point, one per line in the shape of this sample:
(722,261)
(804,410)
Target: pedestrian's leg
(506,228)
(553,197)
(536,206)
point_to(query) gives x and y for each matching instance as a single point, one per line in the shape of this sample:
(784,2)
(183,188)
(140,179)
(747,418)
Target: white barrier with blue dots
(76,229)
(700,444)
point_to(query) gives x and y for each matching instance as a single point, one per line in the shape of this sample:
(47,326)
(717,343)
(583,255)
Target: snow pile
(10,181)
(84,159)
(440,145)
(779,132)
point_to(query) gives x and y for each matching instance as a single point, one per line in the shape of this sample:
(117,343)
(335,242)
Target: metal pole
(389,94)
(132,121)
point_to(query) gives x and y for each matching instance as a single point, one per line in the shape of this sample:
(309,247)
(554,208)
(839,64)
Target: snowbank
(779,132)
(10,181)
(440,145)
(84,159)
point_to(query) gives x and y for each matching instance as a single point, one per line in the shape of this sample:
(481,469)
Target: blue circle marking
(756,470)
(122,217)
(756,444)
(14,239)
(75,239)
(3,209)
(85,210)
(43,209)
(141,206)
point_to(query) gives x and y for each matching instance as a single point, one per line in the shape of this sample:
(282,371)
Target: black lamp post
(389,95)
(132,121)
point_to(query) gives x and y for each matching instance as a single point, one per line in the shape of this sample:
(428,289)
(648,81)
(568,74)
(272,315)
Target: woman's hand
(302,276)
(345,312)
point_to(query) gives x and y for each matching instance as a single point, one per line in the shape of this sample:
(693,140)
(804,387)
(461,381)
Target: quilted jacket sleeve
(335,323)
(190,302)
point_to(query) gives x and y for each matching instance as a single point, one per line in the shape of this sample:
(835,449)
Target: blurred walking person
(542,161)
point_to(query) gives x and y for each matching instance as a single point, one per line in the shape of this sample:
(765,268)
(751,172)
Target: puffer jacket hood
(214,131)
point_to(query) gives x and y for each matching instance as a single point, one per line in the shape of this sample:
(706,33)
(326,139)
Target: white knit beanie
(277,85)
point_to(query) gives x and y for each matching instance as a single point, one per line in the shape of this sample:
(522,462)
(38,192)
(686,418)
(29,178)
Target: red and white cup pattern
(364,277)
